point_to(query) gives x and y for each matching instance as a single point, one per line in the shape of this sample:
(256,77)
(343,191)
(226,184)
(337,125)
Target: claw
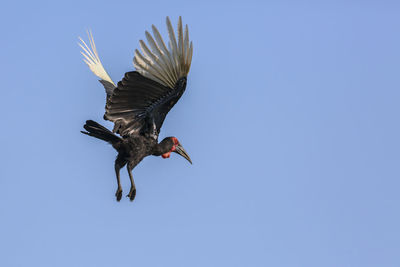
(118,194)
(132,194)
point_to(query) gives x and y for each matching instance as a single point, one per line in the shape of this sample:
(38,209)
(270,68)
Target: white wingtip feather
(165,65)
(91,58)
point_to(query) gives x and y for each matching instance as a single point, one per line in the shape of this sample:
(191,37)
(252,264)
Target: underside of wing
(134,98)
(139,105)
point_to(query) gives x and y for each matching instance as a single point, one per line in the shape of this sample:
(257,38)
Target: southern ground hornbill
(139,103)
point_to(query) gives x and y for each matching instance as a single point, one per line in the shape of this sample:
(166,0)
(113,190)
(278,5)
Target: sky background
(291,118)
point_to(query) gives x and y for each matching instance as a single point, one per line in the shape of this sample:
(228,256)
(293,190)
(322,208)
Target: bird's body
(134,149)
(140,102)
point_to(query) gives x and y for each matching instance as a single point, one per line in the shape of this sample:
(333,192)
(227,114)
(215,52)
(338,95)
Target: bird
(139,103)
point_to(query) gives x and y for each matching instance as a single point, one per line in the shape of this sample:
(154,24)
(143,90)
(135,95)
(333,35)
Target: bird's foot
(118,194)
(132,193)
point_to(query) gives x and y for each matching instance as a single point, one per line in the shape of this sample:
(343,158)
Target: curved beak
(181,151)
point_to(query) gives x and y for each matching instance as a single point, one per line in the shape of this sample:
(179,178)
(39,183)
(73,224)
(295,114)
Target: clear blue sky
(291,118)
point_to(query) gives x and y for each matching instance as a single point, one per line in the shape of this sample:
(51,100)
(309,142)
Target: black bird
(139,103)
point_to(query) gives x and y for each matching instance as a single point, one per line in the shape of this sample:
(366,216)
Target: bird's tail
(96,130)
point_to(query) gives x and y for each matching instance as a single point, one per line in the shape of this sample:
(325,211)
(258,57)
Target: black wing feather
(139,105)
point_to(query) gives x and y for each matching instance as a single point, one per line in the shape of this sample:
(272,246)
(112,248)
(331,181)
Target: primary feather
(91,58)
(166,66)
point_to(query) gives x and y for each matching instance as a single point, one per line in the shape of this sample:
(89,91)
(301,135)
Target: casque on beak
(181,151)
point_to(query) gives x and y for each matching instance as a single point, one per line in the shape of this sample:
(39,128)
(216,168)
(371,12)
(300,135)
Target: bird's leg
(118,194)
(132,192)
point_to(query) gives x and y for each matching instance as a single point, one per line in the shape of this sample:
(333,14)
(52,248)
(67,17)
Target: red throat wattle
(166,155)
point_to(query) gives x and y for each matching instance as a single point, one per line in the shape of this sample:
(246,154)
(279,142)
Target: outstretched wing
(143,98)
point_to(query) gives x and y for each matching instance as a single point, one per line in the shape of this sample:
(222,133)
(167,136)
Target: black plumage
(140,102)
(139,97)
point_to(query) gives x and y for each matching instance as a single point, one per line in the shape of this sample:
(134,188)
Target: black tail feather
(96,130)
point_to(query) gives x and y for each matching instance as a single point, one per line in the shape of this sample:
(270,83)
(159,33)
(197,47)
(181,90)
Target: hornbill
(139,103)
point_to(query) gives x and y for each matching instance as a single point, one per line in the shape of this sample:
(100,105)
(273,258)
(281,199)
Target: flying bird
(139,103)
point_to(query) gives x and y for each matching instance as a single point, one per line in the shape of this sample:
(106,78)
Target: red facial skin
(168,154)
(175,140)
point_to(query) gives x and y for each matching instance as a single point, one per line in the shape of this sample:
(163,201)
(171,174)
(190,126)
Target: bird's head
(171,144)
